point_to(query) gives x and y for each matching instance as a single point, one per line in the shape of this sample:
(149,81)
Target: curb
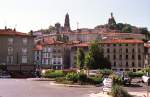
(40,79)
(78,86)
(104,95)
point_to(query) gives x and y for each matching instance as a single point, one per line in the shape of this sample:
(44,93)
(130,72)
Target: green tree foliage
(118,91)
(145,32)
(80,58)
(94,59)
(120,26)
(136,74)
(127,28)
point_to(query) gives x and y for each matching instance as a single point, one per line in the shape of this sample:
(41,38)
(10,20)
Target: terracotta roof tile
(82,45)
(147,45)
(10,32)
(38,47)
(133,41)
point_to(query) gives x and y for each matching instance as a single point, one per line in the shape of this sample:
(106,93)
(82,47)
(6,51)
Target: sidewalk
(136,94)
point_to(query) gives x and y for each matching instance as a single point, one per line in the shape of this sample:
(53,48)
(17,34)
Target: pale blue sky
(37,14)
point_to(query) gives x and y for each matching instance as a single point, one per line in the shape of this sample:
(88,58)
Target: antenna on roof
(5,23)
(15,27)
(77,25)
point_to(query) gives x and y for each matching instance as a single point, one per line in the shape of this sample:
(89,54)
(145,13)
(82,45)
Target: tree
(95,59)
(145,32)
(120,26)
(80,58)
(127,28)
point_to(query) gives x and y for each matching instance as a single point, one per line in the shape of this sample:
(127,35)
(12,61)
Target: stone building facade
(16,50)
(49,54)
(124,54)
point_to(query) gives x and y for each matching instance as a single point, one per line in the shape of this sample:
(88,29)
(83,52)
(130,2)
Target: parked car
(5,74)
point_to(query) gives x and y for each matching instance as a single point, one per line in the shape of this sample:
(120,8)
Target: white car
(5,75)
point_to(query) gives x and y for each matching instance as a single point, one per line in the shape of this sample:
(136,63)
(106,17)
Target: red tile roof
(50,41)
(82,45)
(133,41)
(38,47)
(147,45)
(10,32)
(46,41)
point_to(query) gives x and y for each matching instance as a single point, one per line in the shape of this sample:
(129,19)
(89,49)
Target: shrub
(116,79)
(118,91)
(135,74)
(66,71)
(53,73)
(95,80)
(106,72)
(72,77)
(82,78)
(62,80)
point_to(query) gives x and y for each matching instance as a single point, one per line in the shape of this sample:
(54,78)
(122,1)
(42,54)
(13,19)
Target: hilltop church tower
(67,23)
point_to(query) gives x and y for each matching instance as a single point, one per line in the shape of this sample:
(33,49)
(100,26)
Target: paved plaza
(31,88)
(28,88)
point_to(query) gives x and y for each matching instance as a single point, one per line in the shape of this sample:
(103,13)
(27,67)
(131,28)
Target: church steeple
(67,23)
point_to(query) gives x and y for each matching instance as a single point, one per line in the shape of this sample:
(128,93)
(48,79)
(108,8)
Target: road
(28,88)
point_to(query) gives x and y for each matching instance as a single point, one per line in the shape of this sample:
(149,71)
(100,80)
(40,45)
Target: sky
(26,15)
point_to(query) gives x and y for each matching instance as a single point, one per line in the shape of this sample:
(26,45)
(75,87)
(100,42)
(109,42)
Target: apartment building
(16,50)
(147,54)
(49,54)
(124,54)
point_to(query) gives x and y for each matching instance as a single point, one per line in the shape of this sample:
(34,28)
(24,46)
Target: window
(10,50)
(120,57)
(46,61)
(126,50)
(139,57)
(54,56)
(114,44)
(126,44)
(44,49)
(139,50)
(126,57)
(114,50)
(24,59)
(120,50)
(25,41)
(133,50)
(133,64)
(139,64)
(133,57)
(10,41)
(114,57)
(127,64)
(120,44)
(49,50)
(114,64)
(9,59)
(108,51)
(24,51)
(108,56)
